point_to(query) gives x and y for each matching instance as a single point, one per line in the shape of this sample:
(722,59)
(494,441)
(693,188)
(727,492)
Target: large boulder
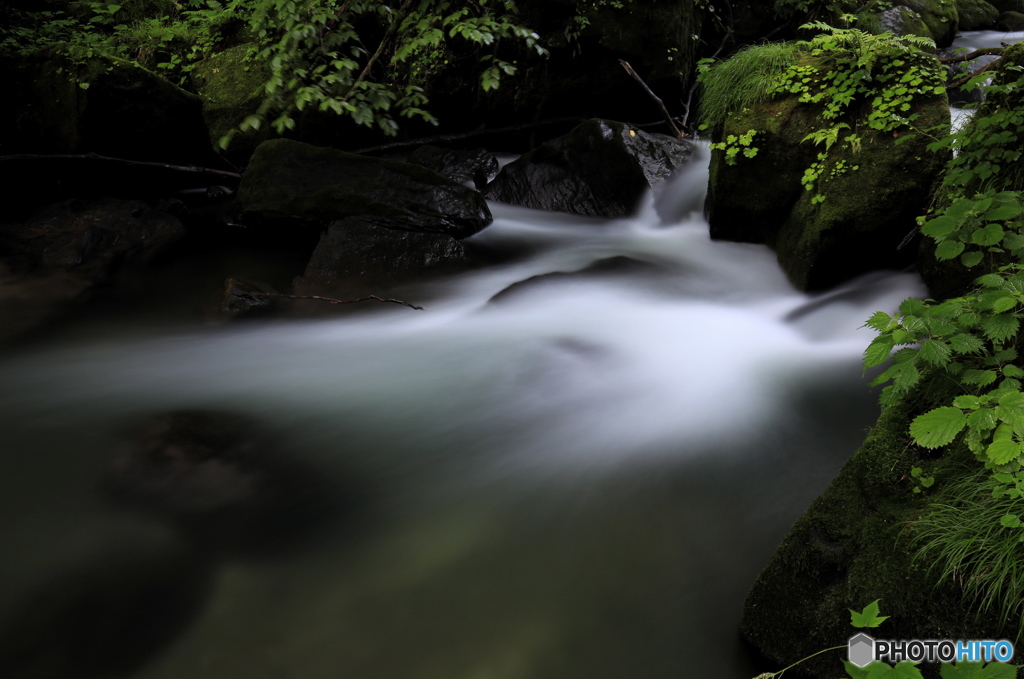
(602,168)
(74,102)
(872,191)
(881,17)
(463,165)
(852,546)
(357,247)
(976,15)
(288,179)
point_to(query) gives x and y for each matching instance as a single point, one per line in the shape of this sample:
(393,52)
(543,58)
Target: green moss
(976,15)
(231,87)
(853,546)
(940,16)
(880,16)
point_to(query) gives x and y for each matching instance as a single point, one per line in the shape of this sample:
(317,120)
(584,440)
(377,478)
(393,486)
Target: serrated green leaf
(879,321)
(906,375)
(902,670)
(1005,211)
(1012,371)
(983,419)
(912,305)
(990,280)
(868,617)
(877,352)
(940,227)
(1004,304)
(970,259)
(948,249)
(938,427)
(1001,327)
(967,401)
(980,377)
(961,670)
(966,343)
(999,670)
(935,352)
(1012,401)
(990,234)
(1010,521)
(1003,448)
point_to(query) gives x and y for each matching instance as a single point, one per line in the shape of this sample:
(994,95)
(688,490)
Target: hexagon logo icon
(861,650)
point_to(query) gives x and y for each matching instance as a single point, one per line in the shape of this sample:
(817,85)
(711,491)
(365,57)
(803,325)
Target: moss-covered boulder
(898,20)
(854,213)
(852,546)
(976,15)
(602,168)
(71,100)
(231,88)
(289,180)
(1011,21)
(939,15)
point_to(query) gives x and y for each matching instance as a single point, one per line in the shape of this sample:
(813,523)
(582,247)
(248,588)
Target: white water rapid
(578,479)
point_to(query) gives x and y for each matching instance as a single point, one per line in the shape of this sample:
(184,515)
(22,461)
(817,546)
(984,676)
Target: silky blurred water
(579,477)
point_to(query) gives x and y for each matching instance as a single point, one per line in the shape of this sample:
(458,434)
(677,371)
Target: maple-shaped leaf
(902,670)
(868,617)
(964,669)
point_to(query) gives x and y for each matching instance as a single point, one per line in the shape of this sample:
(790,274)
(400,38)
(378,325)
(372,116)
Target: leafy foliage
(868,617)
(361,59)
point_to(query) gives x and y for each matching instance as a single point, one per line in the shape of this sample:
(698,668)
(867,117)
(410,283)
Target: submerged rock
(289,179)
(602,169)
(462,165)
(358,247)
(223,479)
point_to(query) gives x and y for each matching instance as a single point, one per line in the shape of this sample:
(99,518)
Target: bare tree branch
(124,161)
(987,51)
(332,300)
(668,117)
(399,17)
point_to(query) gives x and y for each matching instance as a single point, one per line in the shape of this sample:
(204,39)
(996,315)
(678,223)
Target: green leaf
(877,352)
(972,258)
(1004,211)
(902,670)
(1003,450)
(966,343)
(948,249)
(879,321)
(855,672)
(988,235)
(1000,328)
(935,352)
(1010,521)
(964,669)
(983,419)
(938,427)
(999,670)
(967,401)
(940,227)
(1012,371)
(1004,304)
(868,617)
(990,280)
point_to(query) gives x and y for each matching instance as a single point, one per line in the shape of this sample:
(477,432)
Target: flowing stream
(580,477)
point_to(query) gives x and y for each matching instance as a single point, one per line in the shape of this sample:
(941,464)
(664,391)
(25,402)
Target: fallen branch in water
(668,117)
(123,161)
(960,81)
(331,300)
(984,52)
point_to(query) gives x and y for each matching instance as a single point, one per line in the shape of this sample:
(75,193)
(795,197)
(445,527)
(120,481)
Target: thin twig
(332,300)
(671,123)
(478,132)
(399,17)
(966,78)
(986,51)
(125,161)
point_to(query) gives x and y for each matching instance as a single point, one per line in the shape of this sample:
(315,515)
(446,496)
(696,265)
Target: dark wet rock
(1011,21)
(88,238)
(462,165)
(358,247)
(101,104)
(224,479)
(63,250)
(602,169)
(289,179)
(618,266)
(103,605)
(246,299)
(976,15)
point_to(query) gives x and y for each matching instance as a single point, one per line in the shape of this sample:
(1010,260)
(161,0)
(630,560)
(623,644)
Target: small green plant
(735,144)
